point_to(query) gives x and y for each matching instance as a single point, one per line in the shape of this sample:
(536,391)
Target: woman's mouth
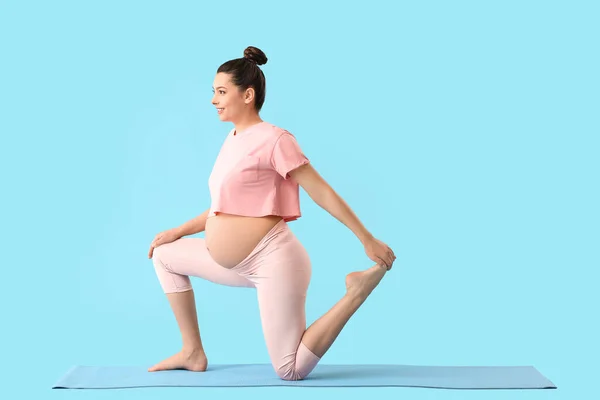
(220,110)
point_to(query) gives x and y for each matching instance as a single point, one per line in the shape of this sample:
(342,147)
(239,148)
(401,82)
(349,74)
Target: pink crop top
(250,175)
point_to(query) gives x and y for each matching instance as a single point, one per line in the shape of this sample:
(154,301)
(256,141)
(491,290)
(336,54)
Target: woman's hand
(162,238)
(380,253)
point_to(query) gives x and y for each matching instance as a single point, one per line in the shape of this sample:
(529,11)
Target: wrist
(365,237)
(178,231)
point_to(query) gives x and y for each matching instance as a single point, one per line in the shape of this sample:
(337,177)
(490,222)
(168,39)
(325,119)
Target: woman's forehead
(221,79)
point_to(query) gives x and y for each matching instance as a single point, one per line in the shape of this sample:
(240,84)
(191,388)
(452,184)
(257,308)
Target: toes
(157,367)
(169,363)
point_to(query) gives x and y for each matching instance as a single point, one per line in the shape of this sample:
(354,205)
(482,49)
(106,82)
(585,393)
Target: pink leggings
(280,270)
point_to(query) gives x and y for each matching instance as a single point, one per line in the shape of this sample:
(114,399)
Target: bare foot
(191,360)
(360,284)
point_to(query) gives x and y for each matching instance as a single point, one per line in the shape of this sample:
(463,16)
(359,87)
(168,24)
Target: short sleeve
(287,155)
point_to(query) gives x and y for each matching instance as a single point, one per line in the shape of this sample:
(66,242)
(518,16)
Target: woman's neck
(247,122)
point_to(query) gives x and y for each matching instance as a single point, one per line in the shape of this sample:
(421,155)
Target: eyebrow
(220,87)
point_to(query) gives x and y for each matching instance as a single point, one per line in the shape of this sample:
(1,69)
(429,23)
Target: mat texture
(245,375)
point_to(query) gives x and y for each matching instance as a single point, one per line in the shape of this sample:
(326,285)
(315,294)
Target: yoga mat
(246,375)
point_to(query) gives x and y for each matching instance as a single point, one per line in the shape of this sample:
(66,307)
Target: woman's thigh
(281,291)
(190,257)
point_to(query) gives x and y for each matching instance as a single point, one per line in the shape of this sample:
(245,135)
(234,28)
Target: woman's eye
(221,91)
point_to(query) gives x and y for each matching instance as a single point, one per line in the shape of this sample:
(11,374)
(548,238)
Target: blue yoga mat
(86,377)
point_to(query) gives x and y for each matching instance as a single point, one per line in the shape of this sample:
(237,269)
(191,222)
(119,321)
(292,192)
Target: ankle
(354,299)
(192,349)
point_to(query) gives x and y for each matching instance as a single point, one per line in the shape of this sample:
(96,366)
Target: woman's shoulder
(275,132)
(272,128)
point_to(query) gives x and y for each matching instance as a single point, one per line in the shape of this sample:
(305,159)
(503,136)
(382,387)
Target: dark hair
(245,73)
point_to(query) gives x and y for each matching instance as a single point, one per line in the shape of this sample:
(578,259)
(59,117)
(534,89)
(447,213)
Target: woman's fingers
(392,255)
(153,245)
(385,263)
(391,259)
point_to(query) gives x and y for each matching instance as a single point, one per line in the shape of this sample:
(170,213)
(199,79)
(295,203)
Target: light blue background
(463,134)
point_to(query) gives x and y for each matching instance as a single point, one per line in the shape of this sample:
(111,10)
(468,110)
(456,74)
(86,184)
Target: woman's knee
(163,255)
(158,259)
(170,281)
(303,363)
(288,374)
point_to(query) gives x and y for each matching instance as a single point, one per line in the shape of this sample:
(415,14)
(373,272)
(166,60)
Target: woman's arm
(327,198)
(324,195)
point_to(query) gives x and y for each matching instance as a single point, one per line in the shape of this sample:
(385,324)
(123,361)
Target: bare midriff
(231,238)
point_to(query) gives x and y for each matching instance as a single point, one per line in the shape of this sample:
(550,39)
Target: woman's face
(227,98)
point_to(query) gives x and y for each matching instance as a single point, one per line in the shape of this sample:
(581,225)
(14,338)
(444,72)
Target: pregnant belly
(231,238)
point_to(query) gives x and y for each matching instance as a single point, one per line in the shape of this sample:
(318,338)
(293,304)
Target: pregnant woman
(254,188)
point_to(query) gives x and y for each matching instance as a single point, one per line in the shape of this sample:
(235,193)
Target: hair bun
(255,54)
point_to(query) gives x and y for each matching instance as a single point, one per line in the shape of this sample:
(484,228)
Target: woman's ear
(249,95)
